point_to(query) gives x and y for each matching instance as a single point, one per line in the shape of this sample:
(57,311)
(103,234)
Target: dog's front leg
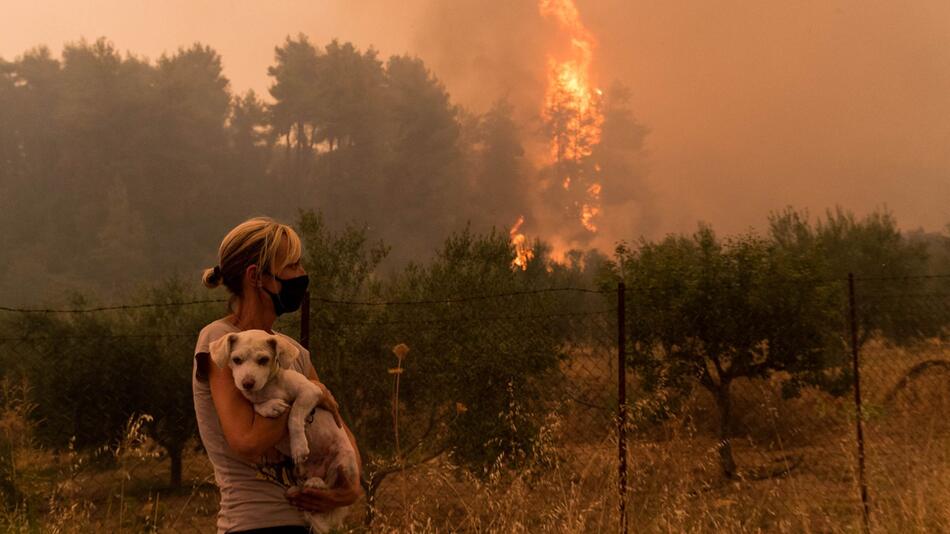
(305,403)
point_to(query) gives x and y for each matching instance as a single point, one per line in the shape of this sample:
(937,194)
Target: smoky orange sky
(752,106)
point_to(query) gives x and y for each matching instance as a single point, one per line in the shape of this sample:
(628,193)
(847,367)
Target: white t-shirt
(252,495)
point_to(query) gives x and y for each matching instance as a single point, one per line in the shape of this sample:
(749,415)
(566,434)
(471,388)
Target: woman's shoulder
(304,358)
(213,331)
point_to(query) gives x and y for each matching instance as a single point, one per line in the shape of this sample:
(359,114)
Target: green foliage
(341,267)
(619,152)
(135,158)
(89,373)
(376,141)
(294,73)
(467,362)
(124,152)
(715,310)
(479,354)
(15,409)
(499,167)
(165,353)
(707,311)
(886,266)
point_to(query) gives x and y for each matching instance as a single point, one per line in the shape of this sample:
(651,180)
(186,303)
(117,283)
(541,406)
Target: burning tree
(573,118)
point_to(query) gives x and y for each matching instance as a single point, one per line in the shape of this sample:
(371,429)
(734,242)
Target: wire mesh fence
(524,380)
(516,382)
(97,417)
(502,410)
(904,353)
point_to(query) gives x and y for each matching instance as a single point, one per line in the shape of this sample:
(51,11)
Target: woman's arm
(247,433)
(327,401)
(330,404)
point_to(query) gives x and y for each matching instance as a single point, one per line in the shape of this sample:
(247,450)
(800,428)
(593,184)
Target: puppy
(321,451)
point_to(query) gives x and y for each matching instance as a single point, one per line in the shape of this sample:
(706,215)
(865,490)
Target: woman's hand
(325,500)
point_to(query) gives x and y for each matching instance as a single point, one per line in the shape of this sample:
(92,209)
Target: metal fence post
(305,321)
(622,402)
(862,481)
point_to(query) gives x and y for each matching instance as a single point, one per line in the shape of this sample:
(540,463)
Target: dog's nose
(248,384)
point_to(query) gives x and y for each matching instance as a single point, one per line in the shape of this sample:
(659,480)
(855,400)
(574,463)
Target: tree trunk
(724,403)
(175,455)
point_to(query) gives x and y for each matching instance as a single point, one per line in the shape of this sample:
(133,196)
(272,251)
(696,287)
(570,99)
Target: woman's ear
(253,275)
(221,350)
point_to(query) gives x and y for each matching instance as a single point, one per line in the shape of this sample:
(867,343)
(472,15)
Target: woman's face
(271,281)
(291,270)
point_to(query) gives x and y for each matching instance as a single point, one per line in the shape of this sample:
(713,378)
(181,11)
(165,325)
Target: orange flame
(523,253)
(588,212)
(572,105)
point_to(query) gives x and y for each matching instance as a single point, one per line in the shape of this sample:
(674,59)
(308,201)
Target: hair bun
(212,277)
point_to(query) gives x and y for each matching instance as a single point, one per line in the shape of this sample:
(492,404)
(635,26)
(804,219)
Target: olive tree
(469,386)
(91,372)
(885,263)
(707,311)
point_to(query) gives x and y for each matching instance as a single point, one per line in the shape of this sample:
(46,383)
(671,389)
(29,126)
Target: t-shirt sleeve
(201,346)
(208,335)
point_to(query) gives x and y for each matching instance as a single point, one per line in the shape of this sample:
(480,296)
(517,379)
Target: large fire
(571,103)
(572,108)
(572,111)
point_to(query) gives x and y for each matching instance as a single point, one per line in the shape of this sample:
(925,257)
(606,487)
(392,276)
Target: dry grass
(675,483)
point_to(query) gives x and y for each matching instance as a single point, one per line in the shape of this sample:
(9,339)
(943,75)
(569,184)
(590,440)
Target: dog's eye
(237,361)
(262,361)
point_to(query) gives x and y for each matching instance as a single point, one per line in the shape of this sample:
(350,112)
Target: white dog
(260,364)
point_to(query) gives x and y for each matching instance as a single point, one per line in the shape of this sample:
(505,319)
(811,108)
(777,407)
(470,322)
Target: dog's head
(254,357)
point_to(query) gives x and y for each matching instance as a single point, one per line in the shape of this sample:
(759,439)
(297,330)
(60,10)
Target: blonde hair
(256,241)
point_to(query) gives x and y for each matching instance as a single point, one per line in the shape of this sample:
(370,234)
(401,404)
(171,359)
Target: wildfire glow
(523,252)
(588,212)
(572,108)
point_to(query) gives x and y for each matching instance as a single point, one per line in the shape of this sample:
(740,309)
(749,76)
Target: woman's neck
(252,315)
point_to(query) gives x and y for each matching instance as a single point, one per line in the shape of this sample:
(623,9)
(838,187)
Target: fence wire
(524,380)
(904,353)
(507,404)
(514,382)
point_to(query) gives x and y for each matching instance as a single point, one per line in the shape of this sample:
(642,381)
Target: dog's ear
(285,351)
(221,350)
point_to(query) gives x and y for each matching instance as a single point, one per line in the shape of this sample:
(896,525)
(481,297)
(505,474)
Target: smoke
(750,106)
(489,50)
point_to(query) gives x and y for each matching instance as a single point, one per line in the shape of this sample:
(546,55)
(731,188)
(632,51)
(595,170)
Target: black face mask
(291,295)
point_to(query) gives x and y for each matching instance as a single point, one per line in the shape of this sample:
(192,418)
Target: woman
(259,264)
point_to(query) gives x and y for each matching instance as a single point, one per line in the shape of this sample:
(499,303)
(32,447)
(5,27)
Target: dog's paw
(271,408)
(299,451)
